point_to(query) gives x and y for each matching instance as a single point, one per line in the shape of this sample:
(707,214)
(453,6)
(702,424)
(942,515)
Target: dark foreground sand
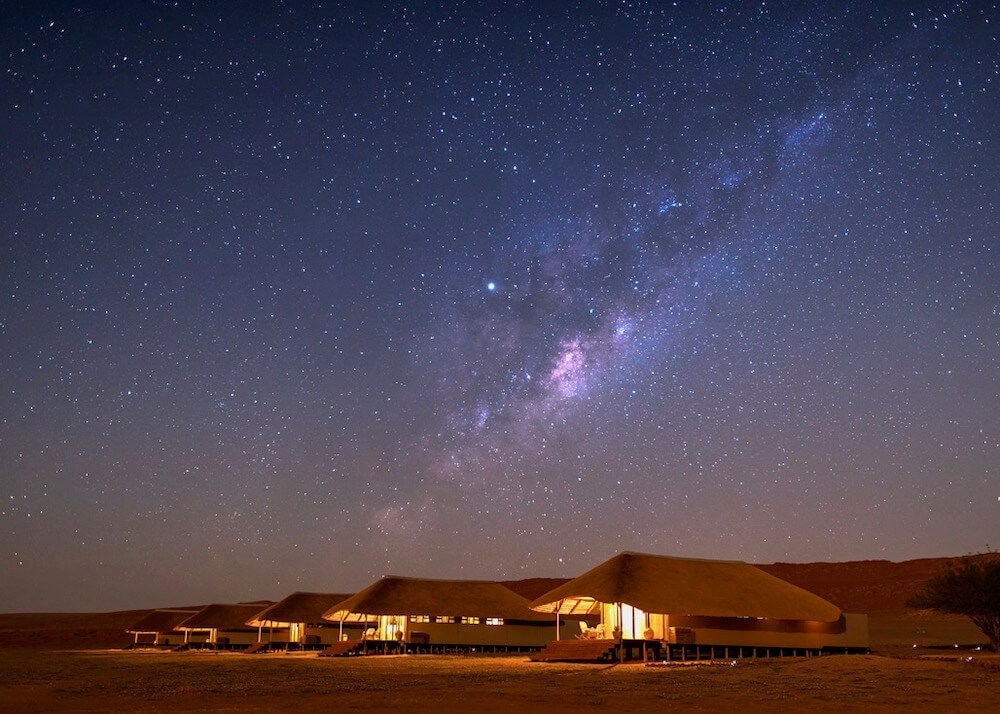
(34,681)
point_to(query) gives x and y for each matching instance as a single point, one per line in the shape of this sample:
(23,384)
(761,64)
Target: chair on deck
(591,633)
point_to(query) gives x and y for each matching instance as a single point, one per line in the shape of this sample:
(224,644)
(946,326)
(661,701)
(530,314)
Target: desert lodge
(633,606)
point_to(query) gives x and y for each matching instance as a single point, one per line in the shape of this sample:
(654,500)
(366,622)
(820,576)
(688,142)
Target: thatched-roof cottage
(159,627)
(225,625)
(434,615)
(297,621)
(643,598)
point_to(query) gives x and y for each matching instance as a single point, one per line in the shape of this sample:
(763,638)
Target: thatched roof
(394,595)
(533,587)
(687,586)
(224,616)
(161,621)
(297,607)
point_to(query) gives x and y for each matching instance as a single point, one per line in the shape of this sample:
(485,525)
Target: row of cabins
(633,605)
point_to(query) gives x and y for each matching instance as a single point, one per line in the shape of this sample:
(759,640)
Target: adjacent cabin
(423,615)
(666,607)
(159,628)
(223,626)
(297,622)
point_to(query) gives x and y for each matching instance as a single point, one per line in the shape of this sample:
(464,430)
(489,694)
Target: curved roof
(297,607)
(161,621)
(230,617)
(394,595)
(687,586)
(533,587)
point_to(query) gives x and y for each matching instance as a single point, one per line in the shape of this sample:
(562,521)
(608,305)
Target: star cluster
(299,296)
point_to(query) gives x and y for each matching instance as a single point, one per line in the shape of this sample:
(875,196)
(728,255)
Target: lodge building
(635,605)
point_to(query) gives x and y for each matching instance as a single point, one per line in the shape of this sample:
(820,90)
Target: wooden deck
(576,651)
(343,649)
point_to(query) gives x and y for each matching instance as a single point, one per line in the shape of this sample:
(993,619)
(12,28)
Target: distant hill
(871,586)
(68,631)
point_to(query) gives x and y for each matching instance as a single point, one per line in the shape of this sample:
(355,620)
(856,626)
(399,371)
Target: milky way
(298,299)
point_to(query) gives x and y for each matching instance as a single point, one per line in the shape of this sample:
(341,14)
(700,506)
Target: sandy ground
(34,681)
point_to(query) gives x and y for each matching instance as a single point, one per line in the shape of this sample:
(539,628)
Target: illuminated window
(494,620)
(420,618)
(446,619)
(471,620)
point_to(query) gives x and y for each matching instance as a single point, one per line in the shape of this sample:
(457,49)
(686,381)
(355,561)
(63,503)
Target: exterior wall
(330,634)
(302,633)
(152,639)
(272,634)
(568,629)
(236,637)
(851,631)
(194,637)
(171,638)
(516,634)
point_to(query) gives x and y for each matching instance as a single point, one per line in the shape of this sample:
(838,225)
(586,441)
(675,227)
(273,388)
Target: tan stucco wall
(240,638)
(508,634)
(513,634)
(854,634)
(851,631)
(330,635)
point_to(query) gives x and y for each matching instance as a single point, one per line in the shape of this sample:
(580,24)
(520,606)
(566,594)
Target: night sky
(298,295)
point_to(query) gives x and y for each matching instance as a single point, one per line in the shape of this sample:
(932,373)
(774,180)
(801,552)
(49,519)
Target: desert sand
(64,662)
(115,681)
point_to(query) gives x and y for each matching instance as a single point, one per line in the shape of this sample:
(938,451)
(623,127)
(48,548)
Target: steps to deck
(576,651)
(257,647)
(340,649)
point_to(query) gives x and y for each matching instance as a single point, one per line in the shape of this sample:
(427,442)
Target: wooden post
(558,609)
(621,633)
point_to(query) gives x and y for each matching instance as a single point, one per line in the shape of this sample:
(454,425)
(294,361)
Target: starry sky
(296,295)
